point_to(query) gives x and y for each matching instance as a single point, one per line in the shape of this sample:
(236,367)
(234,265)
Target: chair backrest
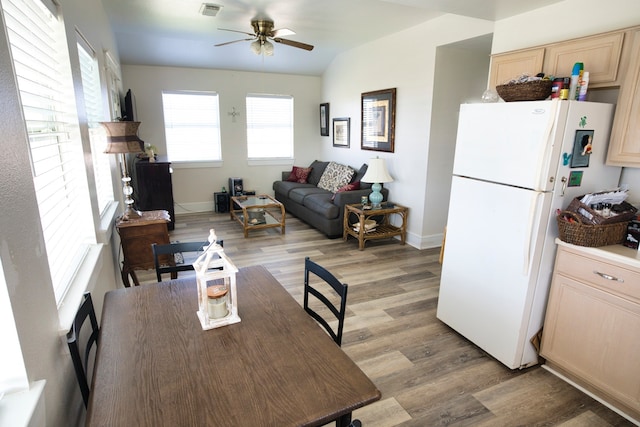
(81,349)
(168,251)
(339,288)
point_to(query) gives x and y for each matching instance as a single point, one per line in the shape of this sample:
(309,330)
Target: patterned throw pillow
(299,174)
(335,176)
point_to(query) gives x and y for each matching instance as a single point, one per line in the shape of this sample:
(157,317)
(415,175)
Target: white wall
(193,188)
(22,249)
(571,19)
(406,61)
(454,85)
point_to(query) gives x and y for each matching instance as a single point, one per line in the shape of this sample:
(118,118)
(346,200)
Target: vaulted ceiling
(176,33)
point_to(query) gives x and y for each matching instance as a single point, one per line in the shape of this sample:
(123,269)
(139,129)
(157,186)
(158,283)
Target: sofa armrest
(353,196)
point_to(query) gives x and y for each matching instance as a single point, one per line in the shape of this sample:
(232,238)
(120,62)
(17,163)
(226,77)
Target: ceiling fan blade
(293,43)
(282,32)
(236,31)
(234,41)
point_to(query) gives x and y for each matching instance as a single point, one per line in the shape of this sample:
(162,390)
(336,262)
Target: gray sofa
(319,207)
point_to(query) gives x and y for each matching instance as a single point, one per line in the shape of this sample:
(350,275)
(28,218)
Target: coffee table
(257,212)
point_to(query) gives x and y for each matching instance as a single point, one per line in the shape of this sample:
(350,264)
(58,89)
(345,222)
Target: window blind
(269,126)
(192,126)
(93,105)
(41,63)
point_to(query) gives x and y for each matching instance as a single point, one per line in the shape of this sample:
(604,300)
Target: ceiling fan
(263,32)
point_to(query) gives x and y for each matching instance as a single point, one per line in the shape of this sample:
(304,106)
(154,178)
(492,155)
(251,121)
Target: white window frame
(42,67)
(92,93)
(192,129)
(270,128)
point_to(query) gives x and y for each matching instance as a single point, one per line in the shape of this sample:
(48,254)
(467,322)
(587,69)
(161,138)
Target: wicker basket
(589,216)
(578,233)
(528,91)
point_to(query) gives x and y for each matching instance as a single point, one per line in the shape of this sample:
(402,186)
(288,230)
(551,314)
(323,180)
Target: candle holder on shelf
(216,280)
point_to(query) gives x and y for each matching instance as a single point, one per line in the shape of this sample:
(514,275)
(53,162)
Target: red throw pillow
(299,174)
(348,187)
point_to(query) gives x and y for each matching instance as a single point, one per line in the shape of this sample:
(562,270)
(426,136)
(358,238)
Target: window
(97,136)
(43,73)
(269,126)
(192,126)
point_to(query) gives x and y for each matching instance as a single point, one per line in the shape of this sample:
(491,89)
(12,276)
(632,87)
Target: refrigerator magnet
(582,147)
(575,179)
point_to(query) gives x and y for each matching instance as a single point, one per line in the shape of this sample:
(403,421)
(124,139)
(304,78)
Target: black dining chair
(340,289)
(169,251)
(79,348)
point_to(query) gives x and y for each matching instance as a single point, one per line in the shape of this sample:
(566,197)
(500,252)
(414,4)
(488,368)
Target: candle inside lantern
(217,301)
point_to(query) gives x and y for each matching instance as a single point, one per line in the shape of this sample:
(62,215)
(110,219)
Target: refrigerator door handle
(533,208)
(546,149)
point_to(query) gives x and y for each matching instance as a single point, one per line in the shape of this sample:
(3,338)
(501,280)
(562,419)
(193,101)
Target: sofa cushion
(299,194)
(358,177)
(335,176)
(299,174)
(284,187)
(317,169)
(322,204)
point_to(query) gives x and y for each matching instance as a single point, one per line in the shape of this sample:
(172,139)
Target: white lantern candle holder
(217,306)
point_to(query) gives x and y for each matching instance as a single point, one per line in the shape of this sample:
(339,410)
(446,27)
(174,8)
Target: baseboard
(431,241)
(196,207)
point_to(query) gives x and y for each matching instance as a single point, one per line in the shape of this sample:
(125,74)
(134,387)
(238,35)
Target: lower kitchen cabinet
(591,333)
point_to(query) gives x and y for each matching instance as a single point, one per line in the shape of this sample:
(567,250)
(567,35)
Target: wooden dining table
(156,366)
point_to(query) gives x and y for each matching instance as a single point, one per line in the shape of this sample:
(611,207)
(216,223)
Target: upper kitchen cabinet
(600,54)
(613,61)
(506,66)
(624,146)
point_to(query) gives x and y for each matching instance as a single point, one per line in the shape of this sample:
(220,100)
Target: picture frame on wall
(324,119)
(342,132)
(378,120)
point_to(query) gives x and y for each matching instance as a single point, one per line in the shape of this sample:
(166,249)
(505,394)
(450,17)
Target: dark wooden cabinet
(154,188)
(136,237)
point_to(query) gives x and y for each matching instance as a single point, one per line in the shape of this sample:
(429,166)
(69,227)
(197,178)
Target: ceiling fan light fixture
(267,48)
(256,47)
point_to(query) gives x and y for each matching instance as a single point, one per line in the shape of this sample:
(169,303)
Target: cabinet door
(506,66)
(599,54)
(594,335)
(624,146)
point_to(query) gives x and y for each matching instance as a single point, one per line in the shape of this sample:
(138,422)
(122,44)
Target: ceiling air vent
(210,9)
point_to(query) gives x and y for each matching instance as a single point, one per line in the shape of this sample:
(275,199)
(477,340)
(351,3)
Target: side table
(355,217)
(136,237)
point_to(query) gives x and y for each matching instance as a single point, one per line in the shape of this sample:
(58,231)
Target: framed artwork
(582,146)
(378,120)
(341,132)
(324,119)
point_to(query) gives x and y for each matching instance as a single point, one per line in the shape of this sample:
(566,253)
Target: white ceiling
(174,33)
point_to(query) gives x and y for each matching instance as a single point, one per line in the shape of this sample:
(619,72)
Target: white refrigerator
(515,165)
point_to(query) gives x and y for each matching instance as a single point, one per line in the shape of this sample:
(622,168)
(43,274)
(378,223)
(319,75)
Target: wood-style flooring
(427,373)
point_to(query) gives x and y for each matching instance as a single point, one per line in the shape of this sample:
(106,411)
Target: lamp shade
(377,172)
(122,137)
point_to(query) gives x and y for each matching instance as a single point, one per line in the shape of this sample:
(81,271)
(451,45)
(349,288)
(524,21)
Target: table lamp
(122,138)
(376,173)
